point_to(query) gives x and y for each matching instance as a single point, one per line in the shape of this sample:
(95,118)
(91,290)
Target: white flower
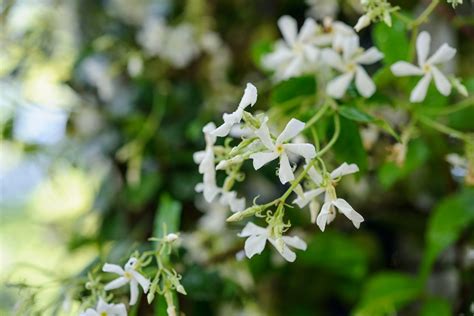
(104,309)
(279,148)
(230,198)
(320,9)
(205,159)
(257,239)
(426,67)
(352,57)
(127,275)
(331,30)
(152,35)
(249,98)
(296,52)
(328,213)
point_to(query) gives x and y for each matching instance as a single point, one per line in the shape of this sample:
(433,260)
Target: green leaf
(351,263)
(450,218)
(348,146)
(259,49)
(387,292)
(390,173)
(293,88)
(392,41)
(436,307)
(355,114)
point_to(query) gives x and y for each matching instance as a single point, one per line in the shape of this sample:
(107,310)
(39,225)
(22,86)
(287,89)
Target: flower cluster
(375,10)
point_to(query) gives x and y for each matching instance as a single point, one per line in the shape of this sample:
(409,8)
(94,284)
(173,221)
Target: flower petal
(343,170)
(255,245)
(323,216)
(370,56)
(332,58)
(443,54)
(302,201)
(115,284)
(423,42)
(419,93)
(402,68)
(350,47)
(294,68)
(285,172)
(288,254)
(89,312)
(295,242)
(263,134)
(311,53)
(364,83)
(113,268)
(337,87)
(350,213)
(249,97)
(307,30)
(288,28)
(293,128)
(306,150)
(442,83)
(144,282)
(315,176)
(261,159)
(252,229)
(118,309)
(133,292)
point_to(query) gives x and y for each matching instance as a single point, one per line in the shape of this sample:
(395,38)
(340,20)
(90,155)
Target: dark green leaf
(348,146)
(259,49)
(392,41)
(294,88)
(436,307)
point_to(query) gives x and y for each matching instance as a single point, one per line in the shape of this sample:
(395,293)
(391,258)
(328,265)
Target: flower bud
(171,237)
(243,214)
(363,22)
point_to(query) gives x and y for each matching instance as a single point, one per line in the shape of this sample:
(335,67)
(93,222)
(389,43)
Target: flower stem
(425,14)
(317,115)
(442,128)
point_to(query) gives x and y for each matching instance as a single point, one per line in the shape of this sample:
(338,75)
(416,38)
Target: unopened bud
(363,22)
(171,237)
(245,213)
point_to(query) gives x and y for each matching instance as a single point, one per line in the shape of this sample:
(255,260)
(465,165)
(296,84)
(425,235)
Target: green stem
(317,115)
(425,14)
(443,128)
(466,103)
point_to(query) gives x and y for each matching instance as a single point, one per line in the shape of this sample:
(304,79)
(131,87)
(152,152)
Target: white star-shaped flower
(231,119)
(296,52)
(328,213)
(127,275)
(104,309)
(257,239)
(426,67)
(349,65)
(280,149)
(332,30)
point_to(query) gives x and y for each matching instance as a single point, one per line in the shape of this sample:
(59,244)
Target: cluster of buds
(375,11)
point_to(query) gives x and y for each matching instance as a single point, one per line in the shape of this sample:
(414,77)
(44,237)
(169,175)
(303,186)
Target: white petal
(255,245)
(364,83)
(102,305)
(133,292)
(249,97)
(293,128)
(294,68)
(118,309)
(370,56)
(337,87)
(302,201)
(343,170)
(285,173)
(295,242)
(323,216)
(115,284)
(333,59)
(315,176)
(350,213)
(264,135)
(306,150)
(252,229)
(288,254)
(208,128)
(314,208)
(198,156)
(363,22)
(311,53)
(279,56)
(423,43)
(402,68)
(144,282)
(261,159)
(443,54)
(350,47)
(442,83)
(89,312)
(419,92)
(288,28)
(307,30)
(223,130)
(112,268)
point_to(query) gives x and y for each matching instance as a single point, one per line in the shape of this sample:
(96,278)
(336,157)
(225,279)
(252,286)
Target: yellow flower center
(426,68)
(103,314)
(351,67)
(127,275)
(279,149)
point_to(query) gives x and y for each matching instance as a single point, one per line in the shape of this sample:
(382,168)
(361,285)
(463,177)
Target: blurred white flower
(331,30)
(426,67)
(320,9)
(152,35)
(349,65)
(280,149)
(127,275)
(363,22)
(231,119)
(257,239)
(104,309)
(296,52)
(328,213)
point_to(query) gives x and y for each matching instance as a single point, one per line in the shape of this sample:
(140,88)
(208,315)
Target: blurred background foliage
(98,130)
